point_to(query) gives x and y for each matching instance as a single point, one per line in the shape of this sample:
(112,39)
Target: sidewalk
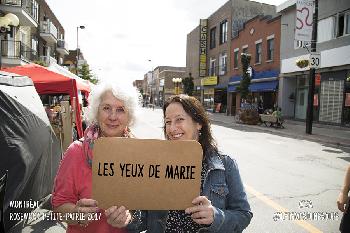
(325,134)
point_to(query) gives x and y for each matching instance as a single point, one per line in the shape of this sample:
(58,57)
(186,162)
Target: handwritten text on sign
(146,173)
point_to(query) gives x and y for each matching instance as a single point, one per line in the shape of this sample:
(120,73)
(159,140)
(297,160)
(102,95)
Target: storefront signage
(209,81)
(209,91)
(203,47)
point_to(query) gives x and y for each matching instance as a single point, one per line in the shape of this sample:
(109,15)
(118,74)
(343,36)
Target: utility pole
(310,102)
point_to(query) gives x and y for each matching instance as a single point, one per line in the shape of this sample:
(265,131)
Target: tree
(188,85)
(85,73)
(245,81)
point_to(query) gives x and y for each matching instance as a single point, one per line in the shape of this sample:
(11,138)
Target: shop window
(270,49)
(258,53)
(212,67)
(245,50)
(223,31)
(212,38)
(343,26)
(235,59)
(326,29)
(223,63)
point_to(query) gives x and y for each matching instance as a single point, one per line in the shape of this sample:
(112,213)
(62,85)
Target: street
(280,175)
(286,179)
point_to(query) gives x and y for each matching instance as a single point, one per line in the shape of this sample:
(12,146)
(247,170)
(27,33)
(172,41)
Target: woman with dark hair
(222,205)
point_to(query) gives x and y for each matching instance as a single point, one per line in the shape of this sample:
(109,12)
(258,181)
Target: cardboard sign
(146,174)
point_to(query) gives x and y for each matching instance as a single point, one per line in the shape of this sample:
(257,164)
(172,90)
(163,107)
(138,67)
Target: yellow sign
(209,81)
(203,47)
(209,91)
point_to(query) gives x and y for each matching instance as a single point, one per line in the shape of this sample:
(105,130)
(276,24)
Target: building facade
(209,47)
(259,37)
(38,38)
(332,83)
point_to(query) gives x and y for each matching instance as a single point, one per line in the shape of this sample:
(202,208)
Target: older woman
(111,112)
(222,206)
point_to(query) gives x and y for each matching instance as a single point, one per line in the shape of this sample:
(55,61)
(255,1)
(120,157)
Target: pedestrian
(343,203)
(111,111)
(222,205)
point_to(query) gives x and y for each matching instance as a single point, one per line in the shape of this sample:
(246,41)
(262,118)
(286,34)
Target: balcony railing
(30,6)
(48,60)
(62,46)
(48,27)
(17,50)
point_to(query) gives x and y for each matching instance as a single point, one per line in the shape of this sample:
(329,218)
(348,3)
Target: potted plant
(302,63)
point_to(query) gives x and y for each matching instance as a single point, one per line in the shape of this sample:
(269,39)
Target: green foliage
(85,73)
(188,85)
(243,87)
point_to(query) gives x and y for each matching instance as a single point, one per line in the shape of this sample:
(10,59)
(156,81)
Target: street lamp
(177,82)
(76,67)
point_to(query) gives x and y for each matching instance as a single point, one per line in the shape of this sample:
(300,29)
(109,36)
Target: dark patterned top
(178,221)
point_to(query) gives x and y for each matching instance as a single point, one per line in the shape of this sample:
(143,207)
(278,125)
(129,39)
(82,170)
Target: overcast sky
(120,37)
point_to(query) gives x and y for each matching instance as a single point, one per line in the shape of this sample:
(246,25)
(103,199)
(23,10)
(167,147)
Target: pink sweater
(73,182)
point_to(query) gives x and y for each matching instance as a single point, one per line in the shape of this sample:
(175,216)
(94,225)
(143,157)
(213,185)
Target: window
(258,53)
(235,59)
(245,50)
(212,67)
(325,29)
(343,26)
(212,38)
(223,32)
(223,63)
(270,49)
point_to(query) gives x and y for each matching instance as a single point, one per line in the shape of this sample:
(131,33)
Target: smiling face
(179,125)
(112,116)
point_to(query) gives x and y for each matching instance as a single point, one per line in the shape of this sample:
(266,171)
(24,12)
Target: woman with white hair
(110,113)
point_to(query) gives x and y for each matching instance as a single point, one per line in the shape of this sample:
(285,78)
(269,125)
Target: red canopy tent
(49,82)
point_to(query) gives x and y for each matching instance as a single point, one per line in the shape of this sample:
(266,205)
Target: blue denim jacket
(223,187)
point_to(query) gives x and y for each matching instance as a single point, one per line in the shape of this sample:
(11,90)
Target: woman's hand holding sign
(202,212)
(85,207)
(118,217)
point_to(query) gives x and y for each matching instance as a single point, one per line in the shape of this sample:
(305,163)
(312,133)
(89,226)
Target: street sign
(315,60)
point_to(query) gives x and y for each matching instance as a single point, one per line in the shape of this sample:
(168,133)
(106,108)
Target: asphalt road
(286,179)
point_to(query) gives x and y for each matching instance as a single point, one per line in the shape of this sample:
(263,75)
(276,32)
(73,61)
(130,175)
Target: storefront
(208,84)
(263,87)
(333,97)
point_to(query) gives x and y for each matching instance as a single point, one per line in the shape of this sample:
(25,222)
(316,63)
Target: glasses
(108,110)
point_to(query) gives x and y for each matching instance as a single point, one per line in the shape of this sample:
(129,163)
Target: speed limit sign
(315,60)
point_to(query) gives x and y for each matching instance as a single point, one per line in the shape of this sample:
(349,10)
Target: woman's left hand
(118,217)
(202,212)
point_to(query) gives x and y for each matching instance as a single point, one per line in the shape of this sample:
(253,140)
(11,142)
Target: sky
(126,39)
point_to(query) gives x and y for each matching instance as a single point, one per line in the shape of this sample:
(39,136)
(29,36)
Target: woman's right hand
(342,201)
(83,208)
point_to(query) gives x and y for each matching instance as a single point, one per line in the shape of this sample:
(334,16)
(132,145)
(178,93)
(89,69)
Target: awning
(49,82)
(231,88)
(221,86)
(82,85)
(257,86)
(263,86)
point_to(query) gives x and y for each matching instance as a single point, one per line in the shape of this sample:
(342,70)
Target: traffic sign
(315,60)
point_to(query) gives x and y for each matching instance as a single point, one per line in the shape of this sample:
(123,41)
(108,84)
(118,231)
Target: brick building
(259,37)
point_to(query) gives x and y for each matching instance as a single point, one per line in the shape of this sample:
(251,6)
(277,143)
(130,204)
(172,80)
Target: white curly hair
(122,91)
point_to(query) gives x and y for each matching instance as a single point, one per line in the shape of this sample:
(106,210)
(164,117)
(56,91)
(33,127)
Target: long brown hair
(195,109)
